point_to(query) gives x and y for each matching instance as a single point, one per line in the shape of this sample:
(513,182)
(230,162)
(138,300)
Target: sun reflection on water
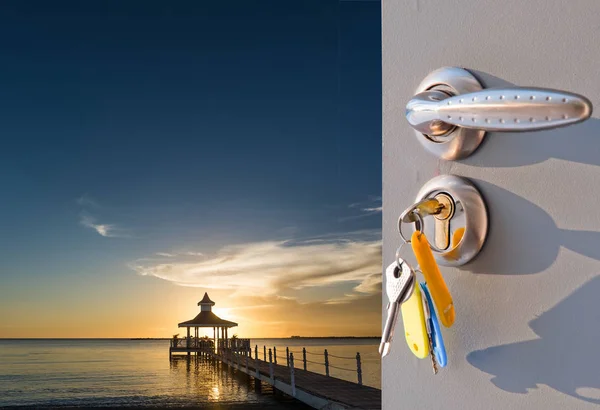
(214,396)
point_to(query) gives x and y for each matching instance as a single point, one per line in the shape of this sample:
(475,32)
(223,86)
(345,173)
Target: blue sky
(137,132)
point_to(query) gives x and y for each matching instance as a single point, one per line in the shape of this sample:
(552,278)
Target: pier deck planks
(331,388)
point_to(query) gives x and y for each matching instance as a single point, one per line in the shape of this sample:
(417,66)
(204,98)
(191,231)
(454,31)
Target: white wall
(527,333)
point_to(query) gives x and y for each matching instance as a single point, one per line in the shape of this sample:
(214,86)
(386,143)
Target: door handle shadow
(523,238)
(564,357)
(578,143)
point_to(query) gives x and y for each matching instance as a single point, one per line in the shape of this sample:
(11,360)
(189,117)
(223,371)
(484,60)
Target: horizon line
(169,338)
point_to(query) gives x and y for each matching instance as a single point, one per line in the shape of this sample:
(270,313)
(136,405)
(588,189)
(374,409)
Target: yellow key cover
(435,281)
(415,329)
(456,238)
(458,235)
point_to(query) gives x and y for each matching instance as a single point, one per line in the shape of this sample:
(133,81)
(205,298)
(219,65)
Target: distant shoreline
(168,338)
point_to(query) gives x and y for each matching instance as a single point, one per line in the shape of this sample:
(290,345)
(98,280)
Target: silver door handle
(504,109)
(451,103)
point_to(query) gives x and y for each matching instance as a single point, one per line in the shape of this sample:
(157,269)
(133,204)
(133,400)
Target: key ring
(400,261)
(416,212)
(418,225)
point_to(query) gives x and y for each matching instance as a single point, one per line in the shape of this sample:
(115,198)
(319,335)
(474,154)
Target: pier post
(304,356)
(292,377)
(256,368)
(271,366)
(187,342)
(265,353)
(326,363)
(247,362)
(287,356)
(358,368)
(275,354)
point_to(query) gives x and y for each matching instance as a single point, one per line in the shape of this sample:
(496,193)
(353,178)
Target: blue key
(439,350)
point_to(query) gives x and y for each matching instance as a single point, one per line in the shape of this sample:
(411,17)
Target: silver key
(399,286)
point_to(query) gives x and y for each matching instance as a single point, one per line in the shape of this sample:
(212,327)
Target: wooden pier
(316,390)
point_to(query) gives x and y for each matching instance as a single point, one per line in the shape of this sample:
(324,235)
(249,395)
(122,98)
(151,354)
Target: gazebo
(206,318)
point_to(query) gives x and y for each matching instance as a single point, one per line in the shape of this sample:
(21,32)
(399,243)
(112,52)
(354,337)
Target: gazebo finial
(206,304)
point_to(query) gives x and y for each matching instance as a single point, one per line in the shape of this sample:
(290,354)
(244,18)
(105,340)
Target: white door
(527,329)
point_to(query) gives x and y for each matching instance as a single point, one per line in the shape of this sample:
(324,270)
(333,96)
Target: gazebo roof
(206,300)
(207,319)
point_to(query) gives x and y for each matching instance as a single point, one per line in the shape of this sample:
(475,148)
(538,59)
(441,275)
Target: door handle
(452,110)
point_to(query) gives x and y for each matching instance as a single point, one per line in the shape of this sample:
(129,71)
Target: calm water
(112,373)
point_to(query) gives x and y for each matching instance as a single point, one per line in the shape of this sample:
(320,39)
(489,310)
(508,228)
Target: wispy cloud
(178,254)
(87,203)
(372,206)
(377,209)
(193,253)
(106,230)
(370,285)
(373,199)
(271,267)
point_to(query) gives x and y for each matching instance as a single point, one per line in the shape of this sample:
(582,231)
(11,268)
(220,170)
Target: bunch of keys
(416,304)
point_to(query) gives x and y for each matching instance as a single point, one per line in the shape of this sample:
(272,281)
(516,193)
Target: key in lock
(441,207)
(442,221)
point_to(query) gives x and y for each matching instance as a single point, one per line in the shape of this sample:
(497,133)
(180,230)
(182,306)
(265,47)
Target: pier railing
(234,344)
(324,359)
(317,358)
(193,343)
(242,347)
(314,389)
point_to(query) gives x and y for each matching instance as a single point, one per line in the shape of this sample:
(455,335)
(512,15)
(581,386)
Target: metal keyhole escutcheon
(452,213)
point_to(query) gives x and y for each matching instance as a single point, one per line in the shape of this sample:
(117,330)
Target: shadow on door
(526,234)
(564,357)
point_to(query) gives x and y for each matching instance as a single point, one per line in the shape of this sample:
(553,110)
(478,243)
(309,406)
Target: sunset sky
(152,151)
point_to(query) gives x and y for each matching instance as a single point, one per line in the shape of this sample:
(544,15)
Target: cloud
(370,285)
(193,253)
(106,230)
(175,254)
(85,219)
(271,267)
(371,200)
(372,206)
